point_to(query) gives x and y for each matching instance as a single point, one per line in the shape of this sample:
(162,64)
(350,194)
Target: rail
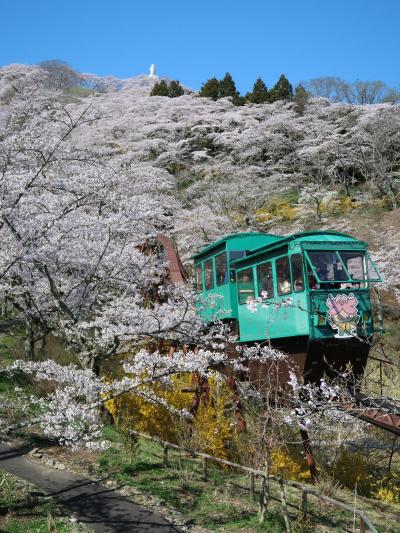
(364,521)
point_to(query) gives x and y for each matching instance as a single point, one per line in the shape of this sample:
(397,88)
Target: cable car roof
(325,236)
(273,239)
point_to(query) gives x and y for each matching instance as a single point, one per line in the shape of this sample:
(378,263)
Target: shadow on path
(101,508)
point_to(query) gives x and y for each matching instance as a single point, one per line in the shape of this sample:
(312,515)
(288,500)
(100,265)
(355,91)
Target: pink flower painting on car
(343,314)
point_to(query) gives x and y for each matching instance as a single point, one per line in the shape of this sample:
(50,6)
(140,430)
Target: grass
(15,391)
(388,348)
(213,504)
(24,509)
(12,348)
(223,503)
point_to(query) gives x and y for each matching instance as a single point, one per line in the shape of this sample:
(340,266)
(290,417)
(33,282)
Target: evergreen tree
(216,89)
(239,100)
(301,98)
(175,89)
(227,87)
(210,89)
(160,89)
(282,90)
(260,93)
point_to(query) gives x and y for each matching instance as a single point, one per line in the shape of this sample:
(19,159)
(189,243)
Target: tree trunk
(309,455)
(379,307)
(392,452)
(29,339)
(4,308)
(43,343)
(264,496)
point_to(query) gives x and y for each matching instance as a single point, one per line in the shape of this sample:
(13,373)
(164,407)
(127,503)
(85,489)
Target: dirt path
(98,506)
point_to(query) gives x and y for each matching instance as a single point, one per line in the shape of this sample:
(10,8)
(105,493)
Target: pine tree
(301,98)
(260,93)
(175,89)
(210,89)
(160,89)
(282,90)
(216,89)
(239,100)
(227,87)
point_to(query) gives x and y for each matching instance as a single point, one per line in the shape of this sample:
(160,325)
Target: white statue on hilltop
(152,73)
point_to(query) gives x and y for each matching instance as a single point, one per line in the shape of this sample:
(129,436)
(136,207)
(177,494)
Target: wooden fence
(253,473)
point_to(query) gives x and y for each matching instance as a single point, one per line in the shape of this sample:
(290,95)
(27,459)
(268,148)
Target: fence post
(251,480)
(264,498)
(284,505)
(362,525)
(304,502)
(205,469)
(165,456)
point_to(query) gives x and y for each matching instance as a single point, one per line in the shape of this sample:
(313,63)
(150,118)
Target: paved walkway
(98,506)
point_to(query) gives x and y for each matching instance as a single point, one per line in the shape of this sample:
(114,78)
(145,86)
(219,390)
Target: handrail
(364,520)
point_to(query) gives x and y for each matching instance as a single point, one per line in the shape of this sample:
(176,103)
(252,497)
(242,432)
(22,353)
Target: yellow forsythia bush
(214,430)
(352,468)
(282,210)
(387,488)
(287,466)
(214,427)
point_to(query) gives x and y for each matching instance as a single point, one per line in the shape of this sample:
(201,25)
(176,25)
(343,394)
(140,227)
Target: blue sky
(193,40)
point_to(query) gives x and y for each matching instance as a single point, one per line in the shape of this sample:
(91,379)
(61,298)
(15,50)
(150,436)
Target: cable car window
(283,275)
(236,254)
(208,275)
(199,279)
(328,266)
(354,263)
(297,272)
(245,283)
(265,281)
(372,273)
(221,269)
(312,281)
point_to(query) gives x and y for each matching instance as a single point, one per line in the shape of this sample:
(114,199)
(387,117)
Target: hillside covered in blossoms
(212,167)
(93,169)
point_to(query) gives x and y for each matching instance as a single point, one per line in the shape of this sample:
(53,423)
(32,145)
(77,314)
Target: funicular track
(375,411)
(177,274)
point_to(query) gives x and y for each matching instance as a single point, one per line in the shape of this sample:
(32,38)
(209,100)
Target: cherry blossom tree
(73,222)
(86,181)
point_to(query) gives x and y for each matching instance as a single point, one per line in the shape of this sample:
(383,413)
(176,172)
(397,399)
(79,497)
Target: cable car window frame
(278,283)
(357,254)
(259,288)
(249,293)
(232,259)
(234,252)
(197,268)
(368,258)
(211,287)
(349,279)
(292,256)
(226,278)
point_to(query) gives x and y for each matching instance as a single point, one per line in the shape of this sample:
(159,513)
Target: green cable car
(306,294)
